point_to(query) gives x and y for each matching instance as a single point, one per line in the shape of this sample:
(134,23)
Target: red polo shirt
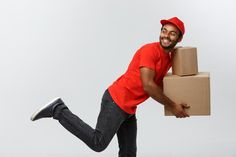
(127,91)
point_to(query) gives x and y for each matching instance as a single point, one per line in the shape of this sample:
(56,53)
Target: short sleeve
(148,57)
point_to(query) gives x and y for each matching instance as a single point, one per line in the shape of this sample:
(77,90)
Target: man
(143,79)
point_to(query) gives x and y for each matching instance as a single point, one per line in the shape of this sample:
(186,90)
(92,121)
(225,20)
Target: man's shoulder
(153,47)
(152,44)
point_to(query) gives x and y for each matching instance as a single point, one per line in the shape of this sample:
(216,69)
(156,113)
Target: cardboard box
(184,61)
(192,90)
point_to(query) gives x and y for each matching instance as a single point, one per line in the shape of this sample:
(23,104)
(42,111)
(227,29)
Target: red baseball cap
(175,21)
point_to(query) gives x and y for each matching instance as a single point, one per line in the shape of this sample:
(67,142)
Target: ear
(180,39)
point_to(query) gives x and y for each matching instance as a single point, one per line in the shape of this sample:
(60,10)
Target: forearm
(156,92)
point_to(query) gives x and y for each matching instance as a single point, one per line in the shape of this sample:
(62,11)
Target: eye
(173,34)
(163,30)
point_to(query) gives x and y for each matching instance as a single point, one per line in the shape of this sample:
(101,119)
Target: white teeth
(166,41)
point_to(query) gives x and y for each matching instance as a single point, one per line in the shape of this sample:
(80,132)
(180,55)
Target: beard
(167,43)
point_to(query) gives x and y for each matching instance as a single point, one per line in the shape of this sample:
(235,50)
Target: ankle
(58,110)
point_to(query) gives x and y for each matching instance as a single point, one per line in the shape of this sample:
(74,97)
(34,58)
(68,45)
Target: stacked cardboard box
(186,84)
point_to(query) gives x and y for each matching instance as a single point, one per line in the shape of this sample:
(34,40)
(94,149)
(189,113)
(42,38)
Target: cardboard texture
(192,90)
(184,61)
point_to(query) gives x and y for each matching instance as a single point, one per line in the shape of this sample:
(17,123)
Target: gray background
(76,48)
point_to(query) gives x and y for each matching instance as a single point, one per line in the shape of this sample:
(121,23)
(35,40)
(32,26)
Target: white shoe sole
(40,109)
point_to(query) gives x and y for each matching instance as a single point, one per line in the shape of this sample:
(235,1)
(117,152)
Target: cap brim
(163,22)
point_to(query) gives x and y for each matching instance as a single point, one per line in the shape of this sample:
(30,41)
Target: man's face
(169,37)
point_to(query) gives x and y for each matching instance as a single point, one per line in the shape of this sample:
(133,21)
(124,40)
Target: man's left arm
(153,90)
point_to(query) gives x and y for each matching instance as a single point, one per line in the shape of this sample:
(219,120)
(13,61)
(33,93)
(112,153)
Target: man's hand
(179,110)
(154,91)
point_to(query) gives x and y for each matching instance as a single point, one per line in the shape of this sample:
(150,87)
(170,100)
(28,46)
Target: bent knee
(99,148)
(99,143)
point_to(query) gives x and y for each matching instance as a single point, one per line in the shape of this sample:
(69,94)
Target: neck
(167,50)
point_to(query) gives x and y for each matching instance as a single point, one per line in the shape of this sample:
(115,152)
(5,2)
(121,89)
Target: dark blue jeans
(111,120)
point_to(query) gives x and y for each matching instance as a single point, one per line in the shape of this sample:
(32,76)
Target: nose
(166,35)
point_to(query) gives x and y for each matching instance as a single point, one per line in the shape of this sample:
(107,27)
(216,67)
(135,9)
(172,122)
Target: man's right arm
(154,91)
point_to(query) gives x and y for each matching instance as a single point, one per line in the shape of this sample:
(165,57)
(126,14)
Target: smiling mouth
(166,41)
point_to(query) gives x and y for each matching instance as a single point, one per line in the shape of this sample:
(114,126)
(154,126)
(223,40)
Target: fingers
(182,114)
(180,111)
(185,115)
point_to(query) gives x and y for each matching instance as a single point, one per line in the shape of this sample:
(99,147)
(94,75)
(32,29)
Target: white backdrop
(76,48)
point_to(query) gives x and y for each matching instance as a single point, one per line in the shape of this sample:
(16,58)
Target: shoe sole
(42,108)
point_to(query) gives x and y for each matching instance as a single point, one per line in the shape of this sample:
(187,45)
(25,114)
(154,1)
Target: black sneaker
(47,110)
